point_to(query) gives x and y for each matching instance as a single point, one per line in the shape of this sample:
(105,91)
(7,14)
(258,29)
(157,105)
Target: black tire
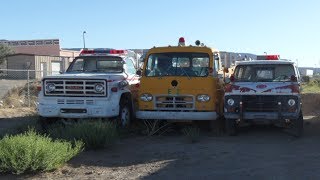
(231,127)
(297,126)
(217,126)
(46,122)
(125,113)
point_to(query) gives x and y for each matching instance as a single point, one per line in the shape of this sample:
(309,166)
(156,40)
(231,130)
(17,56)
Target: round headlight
(230,102)
(123,83)
(203,98)
(51,87)
(291,102)
(98,88)
(146,97)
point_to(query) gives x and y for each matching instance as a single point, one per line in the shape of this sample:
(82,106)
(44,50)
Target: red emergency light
(116,52)
(86,51)
(181,41)
(268,57)
(102,51)
(272,57)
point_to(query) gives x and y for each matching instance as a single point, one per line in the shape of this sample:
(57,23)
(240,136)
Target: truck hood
(175,85)
(262,88)
(87,76)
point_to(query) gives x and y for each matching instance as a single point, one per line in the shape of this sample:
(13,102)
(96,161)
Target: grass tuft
(192,134)
(94,134)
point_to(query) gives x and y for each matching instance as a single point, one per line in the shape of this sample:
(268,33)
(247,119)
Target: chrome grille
(178,102)
(75,87)
(75,101)
(265,103)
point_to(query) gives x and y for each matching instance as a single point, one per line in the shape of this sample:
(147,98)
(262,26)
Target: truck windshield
(97,64)
(178,64)
(264,73)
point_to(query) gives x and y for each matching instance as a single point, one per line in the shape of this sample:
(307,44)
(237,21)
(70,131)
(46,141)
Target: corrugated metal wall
(22,63)
(43,65)
(39,66)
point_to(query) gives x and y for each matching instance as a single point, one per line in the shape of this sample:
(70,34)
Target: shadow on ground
(258,152)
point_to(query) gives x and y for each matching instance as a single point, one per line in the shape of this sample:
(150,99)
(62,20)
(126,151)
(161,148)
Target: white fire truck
(96,85)
(266,90)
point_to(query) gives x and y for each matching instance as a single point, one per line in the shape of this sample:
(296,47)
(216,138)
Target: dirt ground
(261,152)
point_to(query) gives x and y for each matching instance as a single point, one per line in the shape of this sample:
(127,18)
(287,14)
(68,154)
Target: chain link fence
(19,88)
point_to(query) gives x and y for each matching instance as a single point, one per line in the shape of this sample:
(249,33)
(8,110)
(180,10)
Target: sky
(289,28)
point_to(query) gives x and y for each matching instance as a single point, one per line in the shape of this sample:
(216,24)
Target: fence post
(28,82)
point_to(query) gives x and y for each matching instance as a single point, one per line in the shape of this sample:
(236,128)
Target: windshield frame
(69,70)
(177,55)
(280,77)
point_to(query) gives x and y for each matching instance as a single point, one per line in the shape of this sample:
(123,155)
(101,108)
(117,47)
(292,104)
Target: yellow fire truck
(180,83)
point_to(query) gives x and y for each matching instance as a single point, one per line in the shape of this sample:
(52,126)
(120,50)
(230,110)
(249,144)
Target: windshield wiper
(186,73)
(76,71)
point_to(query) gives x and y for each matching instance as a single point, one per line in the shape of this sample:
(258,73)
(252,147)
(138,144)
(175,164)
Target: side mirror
(139,72)
(216,57)
(142,59)
(227,80)
(225,70)
(60,72)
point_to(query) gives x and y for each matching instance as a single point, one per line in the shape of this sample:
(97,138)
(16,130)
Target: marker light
(181,42)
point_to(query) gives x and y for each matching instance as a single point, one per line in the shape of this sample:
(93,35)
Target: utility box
(309,72)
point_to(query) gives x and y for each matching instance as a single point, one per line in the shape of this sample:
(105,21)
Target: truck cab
(264,91)
(97,84)
(180,83)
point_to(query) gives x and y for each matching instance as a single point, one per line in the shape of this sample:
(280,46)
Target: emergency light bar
(102,51)
(268,57)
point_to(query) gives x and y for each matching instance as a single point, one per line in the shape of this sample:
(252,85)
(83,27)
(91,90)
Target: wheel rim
(125,116)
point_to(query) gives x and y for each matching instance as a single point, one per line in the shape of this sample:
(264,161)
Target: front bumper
(169,115)
(262,107)
(72,111)
(257,116)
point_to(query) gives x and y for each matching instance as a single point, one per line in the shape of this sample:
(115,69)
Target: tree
(5,51)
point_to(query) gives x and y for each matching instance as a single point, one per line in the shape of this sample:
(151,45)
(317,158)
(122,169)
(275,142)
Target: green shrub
(94,134)
(191,133)
(315,82)
(306,79)
(31,152)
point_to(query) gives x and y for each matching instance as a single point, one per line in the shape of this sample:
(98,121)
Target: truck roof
(200,49)
(264,62)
